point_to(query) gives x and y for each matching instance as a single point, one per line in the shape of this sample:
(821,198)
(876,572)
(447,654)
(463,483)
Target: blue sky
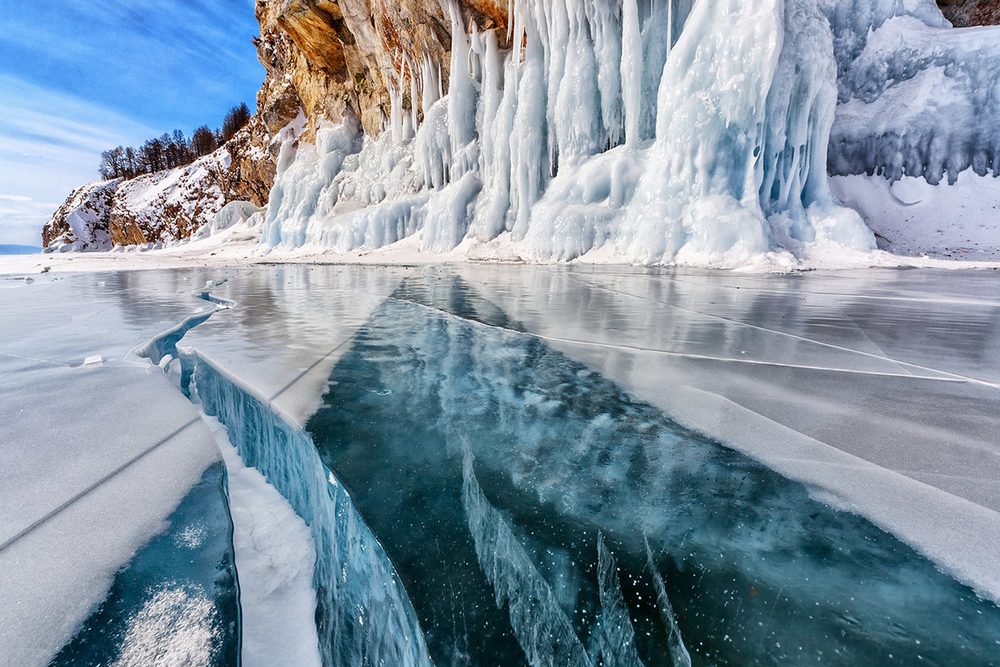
(80,76)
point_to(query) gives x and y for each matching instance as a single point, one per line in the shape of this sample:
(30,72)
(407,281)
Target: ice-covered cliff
(650,131)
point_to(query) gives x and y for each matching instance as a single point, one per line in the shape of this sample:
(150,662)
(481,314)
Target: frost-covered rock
(82,221)
(918,98)
(168,205)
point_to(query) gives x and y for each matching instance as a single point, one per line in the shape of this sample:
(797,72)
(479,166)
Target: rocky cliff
(167,205)
(359,54)
(965,13)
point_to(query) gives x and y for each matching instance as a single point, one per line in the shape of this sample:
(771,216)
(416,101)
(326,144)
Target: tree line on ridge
(172,149)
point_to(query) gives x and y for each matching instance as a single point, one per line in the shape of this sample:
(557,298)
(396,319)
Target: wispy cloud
(49,144)
(175,63)
(78,77)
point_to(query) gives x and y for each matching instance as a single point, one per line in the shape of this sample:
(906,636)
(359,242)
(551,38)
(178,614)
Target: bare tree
(170,150)
(112,163)
(152,156)
(203,141)
(235,120)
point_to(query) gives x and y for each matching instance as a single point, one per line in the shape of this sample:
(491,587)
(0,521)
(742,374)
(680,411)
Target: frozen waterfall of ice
(652,131)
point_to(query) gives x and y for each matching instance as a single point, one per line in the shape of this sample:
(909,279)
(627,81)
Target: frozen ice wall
(653,131)
(917,97)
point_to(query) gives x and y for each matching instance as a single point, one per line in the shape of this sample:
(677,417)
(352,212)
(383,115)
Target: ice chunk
(363,614)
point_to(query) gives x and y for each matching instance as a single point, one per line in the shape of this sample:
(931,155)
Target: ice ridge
(363,614)
(542,629)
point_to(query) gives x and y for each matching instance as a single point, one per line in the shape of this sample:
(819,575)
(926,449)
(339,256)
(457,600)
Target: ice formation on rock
(656,130)
(917,97)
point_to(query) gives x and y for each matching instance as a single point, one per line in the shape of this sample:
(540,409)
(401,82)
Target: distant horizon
(137,75)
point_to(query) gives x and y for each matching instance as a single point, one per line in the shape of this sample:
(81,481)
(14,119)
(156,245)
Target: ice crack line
(93,487)
(906,364)
(944,377)
(157,345)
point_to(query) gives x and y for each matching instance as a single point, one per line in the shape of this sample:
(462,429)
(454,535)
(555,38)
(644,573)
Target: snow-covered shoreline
(246,253)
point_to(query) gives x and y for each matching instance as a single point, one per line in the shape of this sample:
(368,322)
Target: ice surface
(176,602)
(752,563)
(842,381)
(92,471)
(288,327)
(591,449)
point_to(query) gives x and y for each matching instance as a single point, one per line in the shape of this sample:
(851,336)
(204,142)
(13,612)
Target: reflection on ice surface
(504,465)
(494,470)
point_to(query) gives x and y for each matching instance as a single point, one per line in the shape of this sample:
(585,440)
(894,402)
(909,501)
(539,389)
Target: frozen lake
(496,464)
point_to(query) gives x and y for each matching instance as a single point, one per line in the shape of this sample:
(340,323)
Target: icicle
(605,26)
(575,112)
(461,96)
(499,102)
(395,113)
(670,25)
(528,141)
(414,117)
(431,85)
(631,71)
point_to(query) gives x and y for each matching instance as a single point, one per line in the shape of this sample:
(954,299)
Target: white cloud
(50,143)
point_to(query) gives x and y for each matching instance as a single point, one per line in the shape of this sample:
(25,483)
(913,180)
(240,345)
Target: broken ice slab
(104,473)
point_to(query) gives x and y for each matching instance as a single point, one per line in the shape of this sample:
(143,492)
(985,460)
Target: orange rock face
(348,54)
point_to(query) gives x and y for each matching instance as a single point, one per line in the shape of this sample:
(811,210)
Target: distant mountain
(18,249)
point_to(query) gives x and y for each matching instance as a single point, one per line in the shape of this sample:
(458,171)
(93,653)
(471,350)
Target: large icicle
(698,199)
(794,188)
(631,71)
